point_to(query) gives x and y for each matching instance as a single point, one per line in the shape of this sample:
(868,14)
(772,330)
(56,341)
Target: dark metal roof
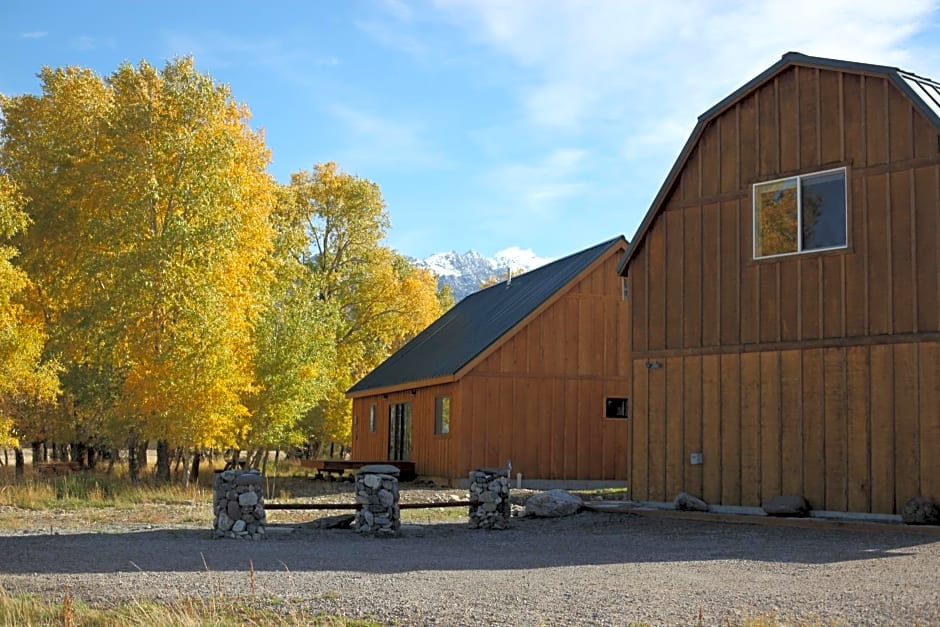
(478,321)
(923,92)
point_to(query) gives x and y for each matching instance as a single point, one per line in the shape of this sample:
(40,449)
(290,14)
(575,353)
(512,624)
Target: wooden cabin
(785,296)
(533,371)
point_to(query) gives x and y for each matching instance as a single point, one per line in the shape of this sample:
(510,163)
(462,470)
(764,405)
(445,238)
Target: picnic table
(328,468)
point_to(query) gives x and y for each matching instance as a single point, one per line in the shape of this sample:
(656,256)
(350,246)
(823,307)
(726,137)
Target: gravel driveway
(589,569)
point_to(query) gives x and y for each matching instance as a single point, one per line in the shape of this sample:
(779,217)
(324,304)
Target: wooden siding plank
(906,425)
(638,280)
(791,397)
(830,117)
(808,81)
(902,266)
(711,275)
(879,256)
(571,354)
(656,295)
(639,461)
(574,447)
(834,436)
(858,438)
(833,304)
(810,303)
(788,302)
(876,121)
(729,260)
(768,137)
(728,150)
(900,126)
(770,434)
(692,287)
(927,269)
(750,429)
(589,417)
(856,279)
(708,147)
(788,96)
(750,280)
(692,421)
(814,453)
(559,427)
(925,136)
(711,429)
(730,429)
(769,320)
(882,429)
(928,389)
(675,438)
(657,432)
(748,155)
(673,278)
(853,125)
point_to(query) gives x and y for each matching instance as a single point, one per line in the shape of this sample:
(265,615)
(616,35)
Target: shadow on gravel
(586,539)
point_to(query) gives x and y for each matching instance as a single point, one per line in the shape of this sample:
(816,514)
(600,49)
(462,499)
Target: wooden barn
(532,371)
(785,296)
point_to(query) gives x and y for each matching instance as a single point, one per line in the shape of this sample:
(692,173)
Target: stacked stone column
(238,505)
(377,492)
(489,498)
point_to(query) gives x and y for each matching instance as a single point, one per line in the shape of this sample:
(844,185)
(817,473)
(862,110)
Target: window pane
(442,415)
(823,198)
(775,217)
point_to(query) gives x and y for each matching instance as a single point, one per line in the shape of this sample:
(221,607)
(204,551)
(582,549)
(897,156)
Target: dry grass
(27,610)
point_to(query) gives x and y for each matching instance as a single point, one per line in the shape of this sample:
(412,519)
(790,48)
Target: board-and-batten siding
(537,399)
(812,374)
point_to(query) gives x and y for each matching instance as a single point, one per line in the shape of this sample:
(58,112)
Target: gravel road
(589,569)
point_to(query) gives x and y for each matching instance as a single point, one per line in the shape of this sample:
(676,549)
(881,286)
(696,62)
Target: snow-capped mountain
(465,272)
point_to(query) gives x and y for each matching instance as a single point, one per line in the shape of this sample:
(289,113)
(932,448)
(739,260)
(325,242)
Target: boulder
(788,505)
(688,503)
(553,503)
(921,511)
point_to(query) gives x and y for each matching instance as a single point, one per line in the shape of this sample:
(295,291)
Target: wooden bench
(338,467)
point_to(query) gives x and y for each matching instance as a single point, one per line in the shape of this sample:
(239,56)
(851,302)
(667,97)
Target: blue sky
(543,124)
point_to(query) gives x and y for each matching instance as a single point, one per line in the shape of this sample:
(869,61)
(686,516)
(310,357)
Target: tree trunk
(162,471)
(113,456)
(133,463)
(92,453)
(37,453)
(20,461)
(236,455)
(78,453)
(256,459)
(194,469)
(142,461)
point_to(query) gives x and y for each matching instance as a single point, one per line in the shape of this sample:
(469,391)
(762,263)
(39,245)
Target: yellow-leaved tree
(381,299)
(152,208)
(27,384)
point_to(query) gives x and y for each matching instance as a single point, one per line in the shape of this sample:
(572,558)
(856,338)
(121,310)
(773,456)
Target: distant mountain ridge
(465,272)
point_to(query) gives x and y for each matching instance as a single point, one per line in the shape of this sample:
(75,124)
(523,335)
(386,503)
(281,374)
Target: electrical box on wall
(695,459)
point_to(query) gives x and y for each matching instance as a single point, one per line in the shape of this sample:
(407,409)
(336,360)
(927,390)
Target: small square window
(616,407)
(442,415)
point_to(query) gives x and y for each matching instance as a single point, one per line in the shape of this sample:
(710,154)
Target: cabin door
(399,432)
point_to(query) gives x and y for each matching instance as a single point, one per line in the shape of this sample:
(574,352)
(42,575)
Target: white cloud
(672,57)
(36,34)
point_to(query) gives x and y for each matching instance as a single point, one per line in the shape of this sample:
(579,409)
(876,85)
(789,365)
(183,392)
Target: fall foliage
(181,293)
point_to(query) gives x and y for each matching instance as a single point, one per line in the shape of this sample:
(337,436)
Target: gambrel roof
(924,93)
(480,322)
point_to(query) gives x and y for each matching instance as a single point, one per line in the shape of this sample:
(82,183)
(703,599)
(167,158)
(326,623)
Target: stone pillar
(238,505)
(377,492)
(489,498)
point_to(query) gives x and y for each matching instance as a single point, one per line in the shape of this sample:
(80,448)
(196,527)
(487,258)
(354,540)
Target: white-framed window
(442,415)
(800,214)
(624,288)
